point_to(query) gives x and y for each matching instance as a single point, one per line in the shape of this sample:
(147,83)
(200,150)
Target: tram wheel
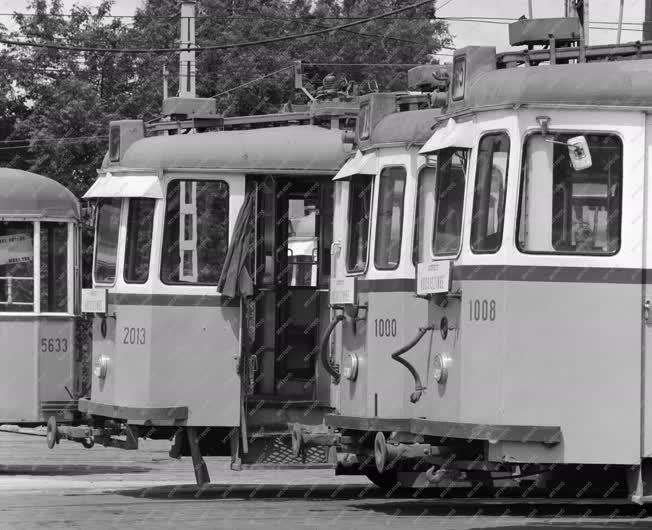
(88,443)
(52,436)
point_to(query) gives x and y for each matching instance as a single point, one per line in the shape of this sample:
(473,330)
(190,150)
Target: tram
(494,305)
(210,282)
(39,279)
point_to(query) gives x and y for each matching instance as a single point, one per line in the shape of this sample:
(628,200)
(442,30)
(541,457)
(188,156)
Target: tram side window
(389,222)
(16,267)
(489,194)
(360,187)
(196,236)
(424,211)
(567,211)
(106,246)
(138,248)
(54,268)
(449,197)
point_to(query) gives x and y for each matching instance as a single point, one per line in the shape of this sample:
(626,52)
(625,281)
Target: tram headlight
(440,368)
(350,366)
(101,367)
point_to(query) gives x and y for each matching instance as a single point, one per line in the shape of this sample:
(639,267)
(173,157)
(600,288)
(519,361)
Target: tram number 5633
(385,327)
(51,345)
(134,336)
(482,310)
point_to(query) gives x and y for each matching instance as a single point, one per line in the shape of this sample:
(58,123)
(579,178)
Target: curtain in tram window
(236,279)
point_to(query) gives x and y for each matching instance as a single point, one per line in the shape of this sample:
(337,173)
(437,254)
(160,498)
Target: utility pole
(647,26)
(580,9)
(187,62)
(620,21)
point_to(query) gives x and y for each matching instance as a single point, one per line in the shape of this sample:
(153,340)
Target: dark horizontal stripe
(524,273)
(386,286)
(186,300)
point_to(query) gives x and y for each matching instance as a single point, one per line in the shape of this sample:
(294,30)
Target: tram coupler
(302,440)
(88,436)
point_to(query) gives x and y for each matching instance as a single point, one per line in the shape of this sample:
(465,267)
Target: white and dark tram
(39,279)
(505,266)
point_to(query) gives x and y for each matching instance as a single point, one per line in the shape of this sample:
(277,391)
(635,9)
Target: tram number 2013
(482,310)
(134,336)
(385,327)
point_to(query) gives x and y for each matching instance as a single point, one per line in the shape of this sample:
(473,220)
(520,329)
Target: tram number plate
(482,310)
(53,345)
(134,336)
(385,327)
(433,278)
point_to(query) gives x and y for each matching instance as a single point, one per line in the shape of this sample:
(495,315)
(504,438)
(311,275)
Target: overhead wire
(294,36)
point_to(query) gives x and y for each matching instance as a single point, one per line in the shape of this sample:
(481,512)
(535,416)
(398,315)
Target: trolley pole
(529,7)
(647,25)
(187,66)
(620,21)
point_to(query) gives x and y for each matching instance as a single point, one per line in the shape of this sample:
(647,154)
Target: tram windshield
(389,223)
(360,188)
(138,246)
(568,211)
(16,267)
(106,249)
(196,235)
(451,179)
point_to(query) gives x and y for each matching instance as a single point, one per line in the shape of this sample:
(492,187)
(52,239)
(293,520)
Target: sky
(466,33)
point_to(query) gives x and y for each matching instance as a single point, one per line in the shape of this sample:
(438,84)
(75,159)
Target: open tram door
(284,317)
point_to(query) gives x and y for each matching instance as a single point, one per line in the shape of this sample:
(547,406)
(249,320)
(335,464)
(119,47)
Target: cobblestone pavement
(72,487)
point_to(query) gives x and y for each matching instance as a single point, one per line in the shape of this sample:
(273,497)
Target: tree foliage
(52,94)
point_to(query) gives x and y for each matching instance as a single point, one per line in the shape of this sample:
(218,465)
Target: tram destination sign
(433,278)
(342,291)
(94,300)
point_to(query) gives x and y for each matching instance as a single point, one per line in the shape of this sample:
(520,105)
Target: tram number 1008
(385,327)
(482,310)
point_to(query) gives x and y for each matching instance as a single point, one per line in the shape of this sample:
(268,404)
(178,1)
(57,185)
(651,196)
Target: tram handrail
(333,370)
(418,386)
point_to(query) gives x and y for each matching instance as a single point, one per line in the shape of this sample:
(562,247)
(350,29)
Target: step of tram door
(274,451)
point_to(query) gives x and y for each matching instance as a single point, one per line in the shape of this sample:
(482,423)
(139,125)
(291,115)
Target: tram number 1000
(385,327)
(482,310)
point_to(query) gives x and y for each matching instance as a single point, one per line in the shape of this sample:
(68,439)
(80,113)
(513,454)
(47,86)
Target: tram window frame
(101,203)
(369,181)
(57,286)
(500,209)
(521,215)
(441,160)
(27,227)
(165,240)
(132,239)
(377,240)
(420,240)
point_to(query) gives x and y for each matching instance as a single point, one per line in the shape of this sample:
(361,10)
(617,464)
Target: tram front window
(54,268)
(359,213)
(196,236)
(106,246)
(138,247)
(568,211)
(16,267)
(389,223)
(451,178)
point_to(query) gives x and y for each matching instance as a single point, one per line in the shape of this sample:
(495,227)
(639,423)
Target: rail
(418,386)
(333,370)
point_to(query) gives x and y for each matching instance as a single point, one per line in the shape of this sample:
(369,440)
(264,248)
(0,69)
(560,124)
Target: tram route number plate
(433,278)
(342,291)
(93,301)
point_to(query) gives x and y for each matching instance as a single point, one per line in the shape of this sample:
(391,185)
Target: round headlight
(101,366)
(440,368)
(350,366)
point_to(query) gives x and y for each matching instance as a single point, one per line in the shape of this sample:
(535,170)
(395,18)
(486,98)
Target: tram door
(294,220)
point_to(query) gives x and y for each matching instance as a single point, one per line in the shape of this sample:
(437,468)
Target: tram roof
(292,148)
(612,84)
(26,195)
(410,127)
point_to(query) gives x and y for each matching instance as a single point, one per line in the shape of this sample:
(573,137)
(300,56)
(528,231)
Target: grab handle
(332,369)
(418,386)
